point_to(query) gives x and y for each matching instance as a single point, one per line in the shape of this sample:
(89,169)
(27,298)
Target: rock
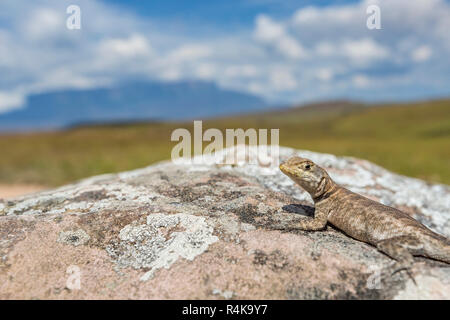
(193,231)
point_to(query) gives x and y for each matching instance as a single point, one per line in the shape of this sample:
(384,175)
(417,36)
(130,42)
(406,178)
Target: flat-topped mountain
(139,101)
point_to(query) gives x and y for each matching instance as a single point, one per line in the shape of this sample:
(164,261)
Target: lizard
(391,231)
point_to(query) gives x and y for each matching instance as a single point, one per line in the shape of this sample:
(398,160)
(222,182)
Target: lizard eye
(307,167)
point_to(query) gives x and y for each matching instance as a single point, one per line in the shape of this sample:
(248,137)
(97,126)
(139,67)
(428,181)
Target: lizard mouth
(290,172)
(283,167)
(286,170)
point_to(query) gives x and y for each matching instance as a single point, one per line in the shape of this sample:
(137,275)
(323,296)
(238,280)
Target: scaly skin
(392,231)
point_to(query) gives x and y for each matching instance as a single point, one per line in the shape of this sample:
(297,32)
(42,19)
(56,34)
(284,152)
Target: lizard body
(392,231)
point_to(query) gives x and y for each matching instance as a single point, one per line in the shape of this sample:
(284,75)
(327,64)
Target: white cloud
(363,50)
(257,87)
(330,22)
(132,46)
(307,15)
(291,48)
(324,74)
(325,49)
(269,32)
(422,53)
(314,15)
(284,59)
(62,78)
(245,71)
(11,101)
(205,71)
(360,81)
(171,74)
(43,23)
(189,52)
(282,79)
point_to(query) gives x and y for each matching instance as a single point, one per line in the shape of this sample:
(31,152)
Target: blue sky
(218,14)
(285,51)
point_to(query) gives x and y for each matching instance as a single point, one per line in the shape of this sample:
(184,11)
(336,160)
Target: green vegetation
(411,139)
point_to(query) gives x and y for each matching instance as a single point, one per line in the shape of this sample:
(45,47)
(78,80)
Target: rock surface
(193,231)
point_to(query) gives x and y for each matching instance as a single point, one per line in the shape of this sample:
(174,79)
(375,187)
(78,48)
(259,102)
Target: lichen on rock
(161,242)
(74,238)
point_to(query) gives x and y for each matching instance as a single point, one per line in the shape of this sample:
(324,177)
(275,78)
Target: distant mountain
(139,101)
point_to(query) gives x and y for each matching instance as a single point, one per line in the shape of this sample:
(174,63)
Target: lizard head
(311,177)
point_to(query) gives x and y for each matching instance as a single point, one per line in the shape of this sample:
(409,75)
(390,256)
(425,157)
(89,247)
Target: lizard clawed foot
(397,267)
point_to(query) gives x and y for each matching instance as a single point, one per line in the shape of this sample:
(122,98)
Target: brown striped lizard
(390,230)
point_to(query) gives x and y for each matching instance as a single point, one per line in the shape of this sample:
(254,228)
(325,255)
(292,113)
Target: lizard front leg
(307,224)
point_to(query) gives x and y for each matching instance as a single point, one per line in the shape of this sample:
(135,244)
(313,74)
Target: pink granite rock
(204,232)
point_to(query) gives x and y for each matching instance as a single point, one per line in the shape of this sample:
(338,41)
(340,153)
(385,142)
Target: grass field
(411,139)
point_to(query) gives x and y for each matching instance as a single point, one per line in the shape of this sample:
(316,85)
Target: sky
(287,52)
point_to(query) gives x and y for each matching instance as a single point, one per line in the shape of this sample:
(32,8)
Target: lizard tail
(438,248)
